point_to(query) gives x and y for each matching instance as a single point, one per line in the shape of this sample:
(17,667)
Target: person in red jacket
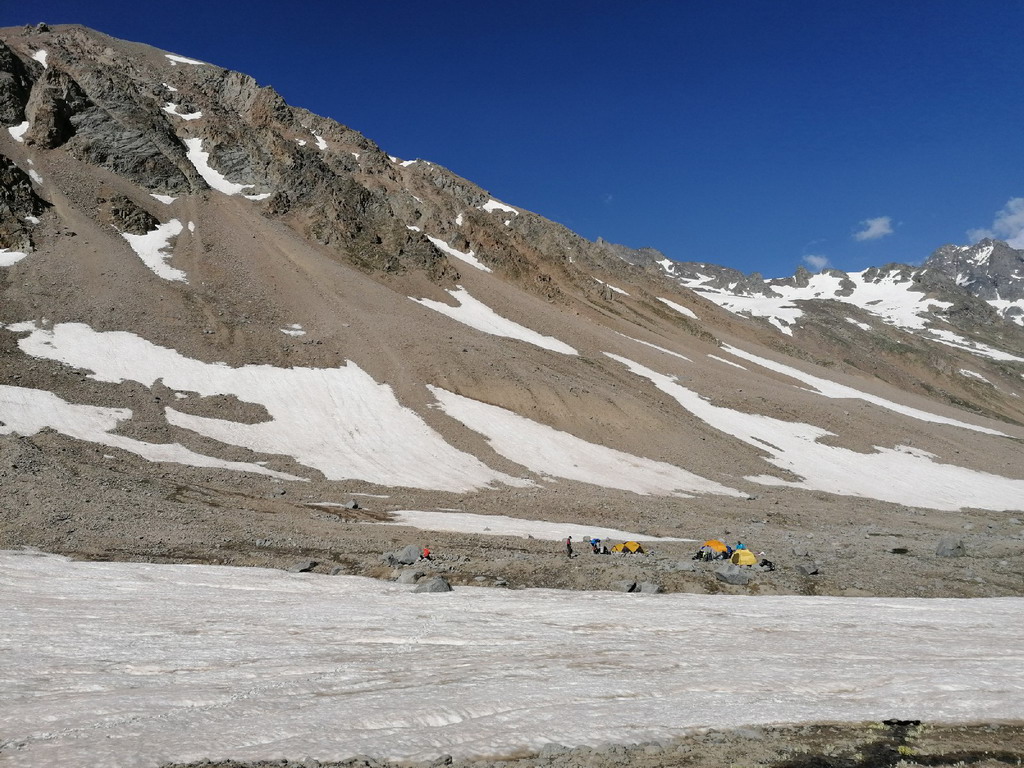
(426,553)
(568,546)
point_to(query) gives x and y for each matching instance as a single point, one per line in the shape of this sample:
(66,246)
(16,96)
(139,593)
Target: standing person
(568,546)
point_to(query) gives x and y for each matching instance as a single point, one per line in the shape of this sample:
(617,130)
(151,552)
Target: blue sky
(756,134)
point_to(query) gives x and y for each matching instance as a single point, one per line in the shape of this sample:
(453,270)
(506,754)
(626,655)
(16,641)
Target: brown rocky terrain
(337,244)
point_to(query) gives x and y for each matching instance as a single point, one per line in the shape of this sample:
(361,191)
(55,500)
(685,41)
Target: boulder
(950,547)
(410,576)
(436,584)
(407,556)
(625,586)
(649,588)
(352,504)
(303,566)
(733,574)
(808,569)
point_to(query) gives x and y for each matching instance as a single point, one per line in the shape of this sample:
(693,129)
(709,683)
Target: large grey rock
(625,586)
(436,584)
(410,576)
(950,547)
(733,574)
(808,569)
(303,566)
(650,588)
(407,556)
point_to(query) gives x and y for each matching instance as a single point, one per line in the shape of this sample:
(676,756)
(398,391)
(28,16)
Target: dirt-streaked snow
(25,411)
(247,664)
(469,257)
(152,248)
(552,453)
(336,420)
(476,314)
(840,391)
(217,180)
(901,474)
(502,525)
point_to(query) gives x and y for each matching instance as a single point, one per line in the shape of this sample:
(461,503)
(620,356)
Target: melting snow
(469,258)
(458,220)
(216,180)
(181,59)
(552,453)
(494,205)
(840,391)
(40,56)
(261,196)
(407,163)
(17,131)
(617,290)
(655,346)
(679,308)
(170,88)
(34,175)
(153,246)
(257,664)
(888,297)
(500,525)
(973,375)
(27,411)
(293,330)
(9,258)
(727,362)
(320,143)
(165,199)
(793,446)
(338,421)
(478,315)
(32,219)
(975,347)
(862,326)
(172,109)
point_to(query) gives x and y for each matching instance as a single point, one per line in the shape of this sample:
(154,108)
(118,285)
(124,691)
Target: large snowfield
(126,664)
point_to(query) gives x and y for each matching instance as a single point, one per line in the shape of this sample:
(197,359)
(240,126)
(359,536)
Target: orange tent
(715,544)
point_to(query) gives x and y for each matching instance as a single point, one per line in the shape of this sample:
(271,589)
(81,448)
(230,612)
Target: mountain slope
(219,311)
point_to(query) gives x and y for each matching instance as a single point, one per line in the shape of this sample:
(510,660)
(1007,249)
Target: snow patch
(551,453)
(175,60)
(501,525)
(17,131)
(9,258)
(494,205)
(216,180)
(794,447)
(28,411)
(338,421)
(469,257)
(172,109)
(727,362)
(679,308)
(320,143)
(293,330)
(612,287)
(165,199)
(478,315)
(41,56)
(153,246)
(833,390)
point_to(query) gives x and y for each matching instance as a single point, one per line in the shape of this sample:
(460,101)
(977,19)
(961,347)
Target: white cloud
(874,228)
(1008,225)
(816,262)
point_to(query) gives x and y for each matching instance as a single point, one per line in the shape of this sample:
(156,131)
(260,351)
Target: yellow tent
(629,547)
(715,544)
(744,557)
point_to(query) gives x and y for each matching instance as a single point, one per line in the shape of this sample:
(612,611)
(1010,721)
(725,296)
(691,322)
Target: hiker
(740,545)
(595,546)
(568,546)
(426,554)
